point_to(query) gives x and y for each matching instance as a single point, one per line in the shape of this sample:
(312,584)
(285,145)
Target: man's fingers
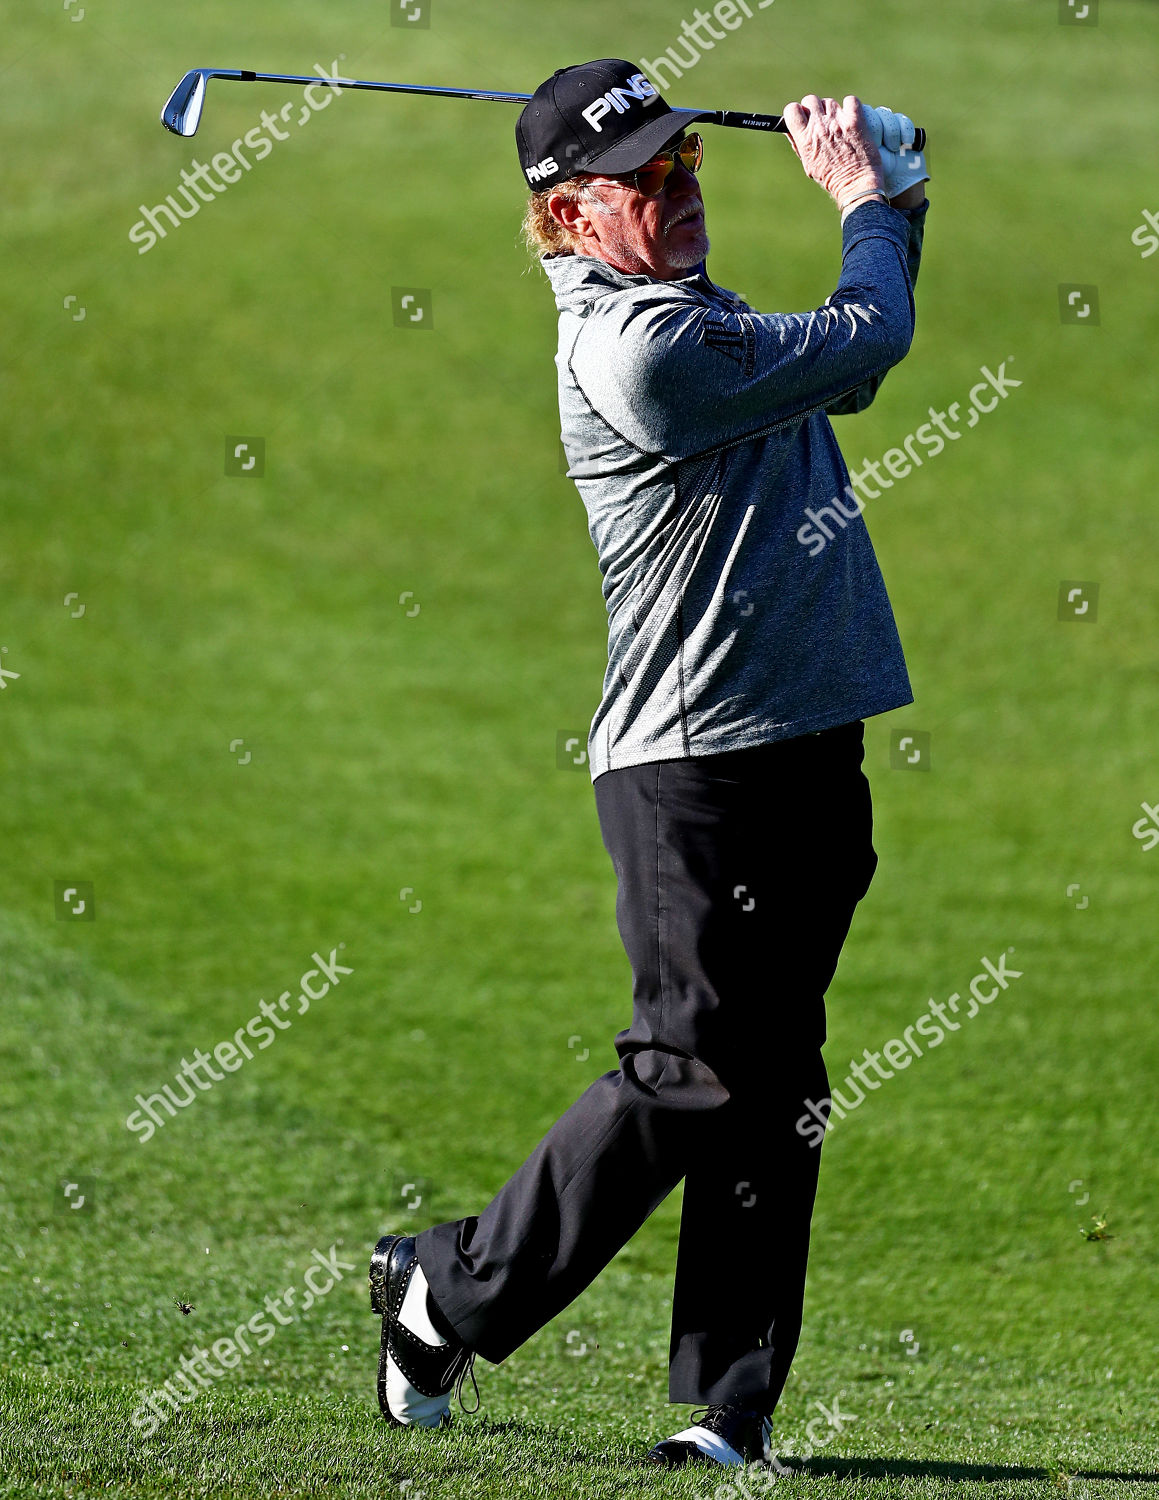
(796,119)
(850,110)
(890,129)
(895,132)
(855,120)
(871,119)
(883,126)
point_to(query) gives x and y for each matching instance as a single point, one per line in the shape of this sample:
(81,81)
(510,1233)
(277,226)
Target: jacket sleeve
(677,375)
(861,397)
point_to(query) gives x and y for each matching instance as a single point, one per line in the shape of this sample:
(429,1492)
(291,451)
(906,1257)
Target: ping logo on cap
(619,99)
(548,167)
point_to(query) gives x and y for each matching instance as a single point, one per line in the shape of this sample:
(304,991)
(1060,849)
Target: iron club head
(182,112)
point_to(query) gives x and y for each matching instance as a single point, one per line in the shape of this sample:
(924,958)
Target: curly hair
(543,233)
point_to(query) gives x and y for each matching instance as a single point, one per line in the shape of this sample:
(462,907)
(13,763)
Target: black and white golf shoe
(729,1435)
(419,1364)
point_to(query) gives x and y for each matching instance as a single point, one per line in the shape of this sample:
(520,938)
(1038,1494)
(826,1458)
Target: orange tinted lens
(691,151)
(651,178)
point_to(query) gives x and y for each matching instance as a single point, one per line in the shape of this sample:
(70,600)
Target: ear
(573,216)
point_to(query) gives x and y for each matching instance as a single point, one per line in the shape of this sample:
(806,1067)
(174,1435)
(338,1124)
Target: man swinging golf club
(725,753)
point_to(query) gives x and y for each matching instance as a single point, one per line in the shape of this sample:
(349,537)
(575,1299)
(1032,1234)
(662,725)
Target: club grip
(741,121)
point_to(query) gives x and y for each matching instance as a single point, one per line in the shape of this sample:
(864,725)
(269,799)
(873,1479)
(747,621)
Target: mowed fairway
(321,707)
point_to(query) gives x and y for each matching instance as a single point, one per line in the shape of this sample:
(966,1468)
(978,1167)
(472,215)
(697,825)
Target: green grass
(393,751)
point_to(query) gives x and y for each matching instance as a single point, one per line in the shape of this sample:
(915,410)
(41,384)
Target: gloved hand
(893,135)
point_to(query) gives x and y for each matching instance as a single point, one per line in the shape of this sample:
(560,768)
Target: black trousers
(738,875)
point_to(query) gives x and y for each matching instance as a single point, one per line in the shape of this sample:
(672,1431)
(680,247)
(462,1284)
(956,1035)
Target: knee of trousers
(769,1062)
(675,1081)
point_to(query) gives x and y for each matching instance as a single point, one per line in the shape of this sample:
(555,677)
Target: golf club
(183,110)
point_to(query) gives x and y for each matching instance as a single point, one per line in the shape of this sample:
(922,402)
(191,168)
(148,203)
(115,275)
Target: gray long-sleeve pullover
(697,433)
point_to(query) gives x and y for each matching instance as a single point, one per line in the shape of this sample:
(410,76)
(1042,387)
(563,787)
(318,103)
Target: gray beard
(688,257)
(683,259)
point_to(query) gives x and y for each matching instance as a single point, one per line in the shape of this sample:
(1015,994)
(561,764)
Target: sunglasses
(649,179)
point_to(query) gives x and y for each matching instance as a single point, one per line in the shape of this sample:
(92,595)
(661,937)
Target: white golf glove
(893,135)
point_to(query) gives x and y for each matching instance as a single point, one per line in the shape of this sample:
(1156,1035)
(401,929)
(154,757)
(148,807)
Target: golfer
(725,752)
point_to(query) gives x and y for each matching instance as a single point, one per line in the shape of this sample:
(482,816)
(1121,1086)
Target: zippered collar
(580,280)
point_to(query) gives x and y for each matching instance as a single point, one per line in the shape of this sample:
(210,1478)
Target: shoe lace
(465,1369)
(716,1417)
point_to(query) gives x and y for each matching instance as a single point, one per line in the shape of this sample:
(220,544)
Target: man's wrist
(870,195)
(912,197)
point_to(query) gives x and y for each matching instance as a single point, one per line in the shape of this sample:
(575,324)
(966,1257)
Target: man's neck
(638,268)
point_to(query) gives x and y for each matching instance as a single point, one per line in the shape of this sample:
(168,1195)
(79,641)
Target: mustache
(689,212)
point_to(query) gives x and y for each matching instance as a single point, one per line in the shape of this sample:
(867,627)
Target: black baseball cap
(602,117)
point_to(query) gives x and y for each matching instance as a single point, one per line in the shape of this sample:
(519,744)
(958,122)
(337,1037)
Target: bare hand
(835,146)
